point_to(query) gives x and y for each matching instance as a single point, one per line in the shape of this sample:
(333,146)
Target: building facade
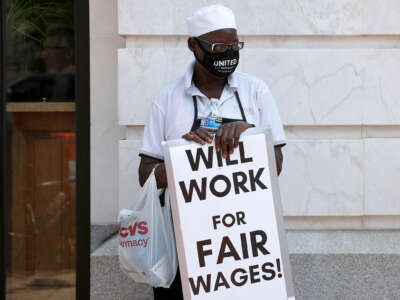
(332,68)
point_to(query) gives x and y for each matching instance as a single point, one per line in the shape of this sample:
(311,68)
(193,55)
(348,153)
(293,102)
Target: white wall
(333,67)
(105,130)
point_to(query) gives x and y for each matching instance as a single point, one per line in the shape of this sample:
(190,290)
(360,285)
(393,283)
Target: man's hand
(201,136)
(227,139)
(227,136)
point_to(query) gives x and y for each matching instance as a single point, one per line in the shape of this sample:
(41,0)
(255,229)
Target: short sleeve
(153,133)
(269,115)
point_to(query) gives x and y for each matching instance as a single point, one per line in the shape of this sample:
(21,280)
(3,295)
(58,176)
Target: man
(53,79)
(210,98)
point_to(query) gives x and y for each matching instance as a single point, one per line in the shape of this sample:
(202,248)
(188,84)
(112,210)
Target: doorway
(45,150)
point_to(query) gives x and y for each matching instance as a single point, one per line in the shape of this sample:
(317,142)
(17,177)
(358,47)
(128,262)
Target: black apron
(196,125)
(196,121)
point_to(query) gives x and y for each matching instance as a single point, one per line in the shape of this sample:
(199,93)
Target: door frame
(2,161)
(82,125)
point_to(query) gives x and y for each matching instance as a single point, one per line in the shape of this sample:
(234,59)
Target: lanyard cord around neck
(237,99)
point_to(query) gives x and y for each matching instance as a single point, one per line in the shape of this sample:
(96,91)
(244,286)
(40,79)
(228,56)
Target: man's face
(226,36)
(54,55)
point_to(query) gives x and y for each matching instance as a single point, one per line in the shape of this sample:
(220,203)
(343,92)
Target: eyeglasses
(222,47)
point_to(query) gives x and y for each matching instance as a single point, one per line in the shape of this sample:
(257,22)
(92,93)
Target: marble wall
(333,67)
(272,17)
(105,130)
(357,87)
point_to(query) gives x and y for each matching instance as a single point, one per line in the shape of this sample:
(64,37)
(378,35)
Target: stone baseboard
(327,265)
(100,233)
(346,276)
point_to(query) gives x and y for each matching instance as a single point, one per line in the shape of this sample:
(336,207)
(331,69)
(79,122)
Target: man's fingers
(236,136)
(226,138)
(204,135)
(225,142)
(193,137)
(218,140)
(209,134)
(229,139)
(197,139)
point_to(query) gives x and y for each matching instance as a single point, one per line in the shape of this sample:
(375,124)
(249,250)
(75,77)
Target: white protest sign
(228,220)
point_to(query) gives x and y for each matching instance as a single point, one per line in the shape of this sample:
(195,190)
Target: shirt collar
(191,88)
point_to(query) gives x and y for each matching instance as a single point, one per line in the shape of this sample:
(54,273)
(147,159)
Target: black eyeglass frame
(239,44)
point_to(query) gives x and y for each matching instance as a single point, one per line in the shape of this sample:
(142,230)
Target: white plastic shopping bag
(147,251)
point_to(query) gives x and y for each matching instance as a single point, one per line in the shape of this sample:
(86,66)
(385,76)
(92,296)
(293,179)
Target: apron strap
(194,126)
(196,121)
(240,106)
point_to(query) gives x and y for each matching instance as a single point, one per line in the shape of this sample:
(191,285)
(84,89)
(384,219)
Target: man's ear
(191,44)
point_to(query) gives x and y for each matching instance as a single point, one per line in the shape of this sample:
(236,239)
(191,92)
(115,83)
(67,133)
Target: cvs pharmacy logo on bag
(139,227)
(131,231)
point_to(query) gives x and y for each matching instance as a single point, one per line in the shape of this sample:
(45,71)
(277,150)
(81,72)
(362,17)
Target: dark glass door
(39,112)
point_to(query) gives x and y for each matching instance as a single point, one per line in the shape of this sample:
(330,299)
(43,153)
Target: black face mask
(219,64)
